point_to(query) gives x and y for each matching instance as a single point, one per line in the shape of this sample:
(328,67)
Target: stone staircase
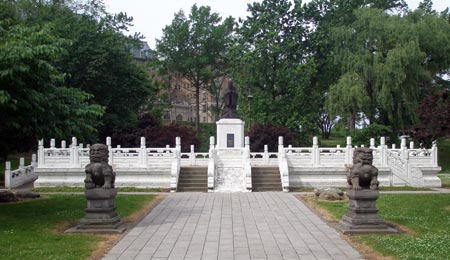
(266,179)
(193,179)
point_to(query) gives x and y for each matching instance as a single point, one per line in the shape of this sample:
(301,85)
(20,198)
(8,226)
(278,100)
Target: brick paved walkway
(232,226)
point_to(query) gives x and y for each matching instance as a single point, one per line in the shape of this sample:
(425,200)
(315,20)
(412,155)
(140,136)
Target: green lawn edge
(28,229)
(427,216)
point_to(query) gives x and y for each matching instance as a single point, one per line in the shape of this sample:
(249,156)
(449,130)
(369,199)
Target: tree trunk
(351,122)
(197,107)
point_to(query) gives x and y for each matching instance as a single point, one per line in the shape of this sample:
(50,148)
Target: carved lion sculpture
(363,175)
(99,174)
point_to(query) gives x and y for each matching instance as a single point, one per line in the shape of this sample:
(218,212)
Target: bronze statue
(99,174)
(363,175)
(230,100)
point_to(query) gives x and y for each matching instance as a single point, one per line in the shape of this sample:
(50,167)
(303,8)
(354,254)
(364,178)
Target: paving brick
(232,226)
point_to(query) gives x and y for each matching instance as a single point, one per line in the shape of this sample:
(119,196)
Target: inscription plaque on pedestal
(230,140)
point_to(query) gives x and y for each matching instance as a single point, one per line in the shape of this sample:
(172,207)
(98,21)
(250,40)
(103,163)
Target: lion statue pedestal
(362,217)
(101,216)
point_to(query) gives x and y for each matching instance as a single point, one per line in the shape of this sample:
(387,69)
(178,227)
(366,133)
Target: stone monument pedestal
(362,217)
(230,133)
(101,216)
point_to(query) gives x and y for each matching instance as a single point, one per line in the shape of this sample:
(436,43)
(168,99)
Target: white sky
(150,17)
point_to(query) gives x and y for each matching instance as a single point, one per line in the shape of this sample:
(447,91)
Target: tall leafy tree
(195,47)
(398,59)
(99,60)
(34,101)
(271,65)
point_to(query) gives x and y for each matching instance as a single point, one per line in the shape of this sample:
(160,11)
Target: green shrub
(362,136)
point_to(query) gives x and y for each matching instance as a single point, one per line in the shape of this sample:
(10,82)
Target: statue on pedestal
(230,99)
(362,178)
(101,216)
(363,175)
(99,174)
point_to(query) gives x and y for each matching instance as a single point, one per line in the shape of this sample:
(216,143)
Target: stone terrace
(232,226)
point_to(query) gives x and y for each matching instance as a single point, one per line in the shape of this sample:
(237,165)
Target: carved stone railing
(24,176)
(420,163)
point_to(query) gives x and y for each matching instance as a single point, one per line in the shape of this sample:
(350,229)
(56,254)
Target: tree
(270,64)
(99,60)
(34,102)
(434,118)
(321,17)
(195,47)
(396,59)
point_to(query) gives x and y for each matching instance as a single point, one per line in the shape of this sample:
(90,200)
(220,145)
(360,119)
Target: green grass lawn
(427,215)
(28,228)
(81,189)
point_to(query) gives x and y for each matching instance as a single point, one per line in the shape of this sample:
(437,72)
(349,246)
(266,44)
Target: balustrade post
(349,151)
(247,147)
(109,145)
(266,154)
(212,142)
(33,159)
(41,153)
(143,152)
(372,143)
(192,155)
(281,152)
(52,143)
(8,175)
(434,155)
(21,163)
(404,149)
(74,158)
(383,151)
(394,146)
(406,161)
(411,145)
(316,152)
(178,144)
(63,144)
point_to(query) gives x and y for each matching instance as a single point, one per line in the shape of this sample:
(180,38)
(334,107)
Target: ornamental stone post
(100,193)
(362,178)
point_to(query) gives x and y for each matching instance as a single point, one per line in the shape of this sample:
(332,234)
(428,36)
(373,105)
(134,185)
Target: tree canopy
(65,70)
(196,48)
(395,60)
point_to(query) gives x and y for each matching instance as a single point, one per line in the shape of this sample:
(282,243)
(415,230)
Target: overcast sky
(150,17)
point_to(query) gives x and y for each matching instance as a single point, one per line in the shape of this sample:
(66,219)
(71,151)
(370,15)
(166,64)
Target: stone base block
(101,216)
(362,217)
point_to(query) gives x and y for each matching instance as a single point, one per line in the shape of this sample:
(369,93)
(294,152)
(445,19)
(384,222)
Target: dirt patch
(324,214)
(367,252)
(447,208)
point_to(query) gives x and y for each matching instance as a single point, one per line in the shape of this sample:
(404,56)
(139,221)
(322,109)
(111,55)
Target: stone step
(271,175)
(192,189)
(262,182)
(266,179)
(266,189)
(192,182)
(193,179)
(193,169)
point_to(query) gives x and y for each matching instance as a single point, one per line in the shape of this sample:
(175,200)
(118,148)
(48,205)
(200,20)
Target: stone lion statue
(363,175)
(99,174)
